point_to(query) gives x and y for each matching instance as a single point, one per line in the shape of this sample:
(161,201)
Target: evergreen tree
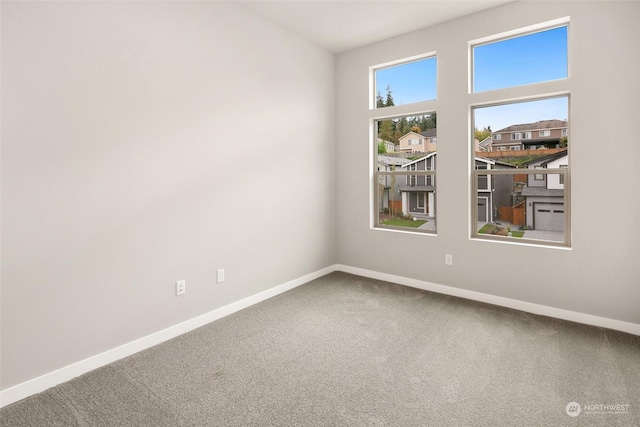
(379,101)
(386,131)
(389,101)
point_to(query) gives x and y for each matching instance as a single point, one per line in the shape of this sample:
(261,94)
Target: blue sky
(411,82)
(533,58)
(501,116)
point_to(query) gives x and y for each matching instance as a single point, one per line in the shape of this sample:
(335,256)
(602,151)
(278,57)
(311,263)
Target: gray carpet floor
(344,350)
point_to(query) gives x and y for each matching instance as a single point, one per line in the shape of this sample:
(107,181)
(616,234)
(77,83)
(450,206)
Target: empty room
(327,213)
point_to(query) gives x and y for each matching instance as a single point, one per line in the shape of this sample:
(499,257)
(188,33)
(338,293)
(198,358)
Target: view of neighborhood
(522,200)
(521,166)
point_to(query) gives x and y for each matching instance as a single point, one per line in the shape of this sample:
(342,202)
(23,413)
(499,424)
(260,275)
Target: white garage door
(548,217)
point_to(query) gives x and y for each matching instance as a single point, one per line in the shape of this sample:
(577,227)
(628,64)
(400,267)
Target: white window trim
(518,94)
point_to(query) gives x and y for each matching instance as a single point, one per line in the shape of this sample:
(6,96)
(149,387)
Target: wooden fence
(515,215)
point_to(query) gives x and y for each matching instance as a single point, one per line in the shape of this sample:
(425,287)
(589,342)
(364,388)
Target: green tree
(386,131)
(389,101)
(402,126)
(382,149)
(482,134)
(379,101)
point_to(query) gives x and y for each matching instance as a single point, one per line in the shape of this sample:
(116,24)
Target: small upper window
(497,136)
(544,133)
(405,83)
(517,61)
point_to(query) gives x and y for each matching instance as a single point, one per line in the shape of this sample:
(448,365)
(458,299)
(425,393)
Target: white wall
(600,275)
(147,142)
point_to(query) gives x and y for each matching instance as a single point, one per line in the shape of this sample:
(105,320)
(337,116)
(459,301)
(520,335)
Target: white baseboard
(39,384)
(543,310)
(51,379)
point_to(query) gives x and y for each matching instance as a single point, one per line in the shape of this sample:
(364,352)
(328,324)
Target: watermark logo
(573,409)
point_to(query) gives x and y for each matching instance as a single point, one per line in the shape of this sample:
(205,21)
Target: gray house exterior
(418,192)
(388,186)
(544,194)
(493,190)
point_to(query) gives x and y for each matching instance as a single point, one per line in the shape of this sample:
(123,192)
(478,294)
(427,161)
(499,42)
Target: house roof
(433,153)
(485,142)
(546,159)
(392,160)
(539,125)
(430,133)
(542,192)
(408,134)
(503,165)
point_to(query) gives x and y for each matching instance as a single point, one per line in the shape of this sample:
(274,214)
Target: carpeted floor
(349,351)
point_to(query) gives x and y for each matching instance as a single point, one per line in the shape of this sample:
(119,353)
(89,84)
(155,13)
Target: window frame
(427,107)
(513,95)
(512,34)
(408,60)
(409,174)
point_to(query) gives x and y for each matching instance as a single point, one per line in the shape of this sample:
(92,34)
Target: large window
(522,193)
(404,179)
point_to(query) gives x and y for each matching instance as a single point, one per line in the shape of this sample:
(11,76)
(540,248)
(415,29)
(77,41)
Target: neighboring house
(485,145)
(544,194)
(418,192)
(388,146)
(423,142)
(493,190)
(388,186)
(530,136)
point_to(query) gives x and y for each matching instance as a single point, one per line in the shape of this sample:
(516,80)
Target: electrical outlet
(448,259)
(181,287)
(220,277)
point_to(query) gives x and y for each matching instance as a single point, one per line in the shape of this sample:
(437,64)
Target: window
(405,83)
(530,58)
(529,198)
(521,135)
(561,177)
(405,196)
(497,136)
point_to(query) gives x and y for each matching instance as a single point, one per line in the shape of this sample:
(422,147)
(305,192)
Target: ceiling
(342,25)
